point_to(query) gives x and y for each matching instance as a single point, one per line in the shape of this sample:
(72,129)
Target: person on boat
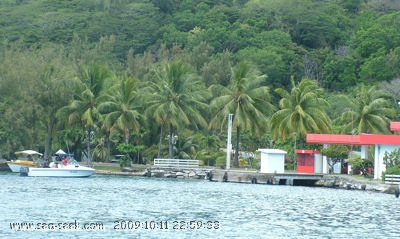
(45,164)
(65,161)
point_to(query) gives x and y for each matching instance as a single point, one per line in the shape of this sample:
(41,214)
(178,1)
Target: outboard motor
(23,171)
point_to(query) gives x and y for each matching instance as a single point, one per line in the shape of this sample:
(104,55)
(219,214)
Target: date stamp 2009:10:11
(128,225)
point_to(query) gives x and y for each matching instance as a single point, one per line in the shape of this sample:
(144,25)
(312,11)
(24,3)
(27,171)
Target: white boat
(71,170)
(26,161)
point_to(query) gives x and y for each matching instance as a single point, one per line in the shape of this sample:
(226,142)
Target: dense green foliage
(392,162)
(99,73)
(336,153)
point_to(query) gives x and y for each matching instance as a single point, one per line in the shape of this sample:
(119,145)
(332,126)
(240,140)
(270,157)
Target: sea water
(139,207)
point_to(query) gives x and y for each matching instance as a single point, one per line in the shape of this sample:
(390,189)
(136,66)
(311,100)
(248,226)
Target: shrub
(221,162)
(391,159)
(392,162)
(357,164)
(392,170)
(243,162)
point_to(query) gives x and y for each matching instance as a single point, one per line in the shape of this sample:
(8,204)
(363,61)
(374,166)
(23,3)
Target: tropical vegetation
(301,111)
(392,162)
(108,77)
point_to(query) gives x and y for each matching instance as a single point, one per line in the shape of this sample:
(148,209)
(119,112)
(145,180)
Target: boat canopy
(29,152)
(62,153)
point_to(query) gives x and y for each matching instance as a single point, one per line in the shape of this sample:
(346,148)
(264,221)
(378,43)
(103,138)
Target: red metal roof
(368,139)
(395,126)
(363,139)
(333,139)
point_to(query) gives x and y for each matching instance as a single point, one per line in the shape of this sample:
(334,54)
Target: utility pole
(229,142)
(294,152)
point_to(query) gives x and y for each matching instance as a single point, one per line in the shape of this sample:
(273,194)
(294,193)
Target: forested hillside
(113,57)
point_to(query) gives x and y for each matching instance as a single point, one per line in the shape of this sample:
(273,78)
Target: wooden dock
(255,177)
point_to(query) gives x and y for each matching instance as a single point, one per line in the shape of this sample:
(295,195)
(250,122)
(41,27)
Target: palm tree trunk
(301,142)
(171,146)
(89,154)
(236,159)
(127,135)
(160,143)
(48,140)
(108,146)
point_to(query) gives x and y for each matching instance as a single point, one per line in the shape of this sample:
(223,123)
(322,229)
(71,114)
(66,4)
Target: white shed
(272,160)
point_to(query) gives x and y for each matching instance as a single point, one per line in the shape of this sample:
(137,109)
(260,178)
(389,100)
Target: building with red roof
(382,143)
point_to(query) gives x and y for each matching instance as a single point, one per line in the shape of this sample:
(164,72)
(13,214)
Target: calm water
(236,210)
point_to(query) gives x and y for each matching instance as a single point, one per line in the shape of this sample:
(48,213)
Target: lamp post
(229,142)
(172,140)
(294,152)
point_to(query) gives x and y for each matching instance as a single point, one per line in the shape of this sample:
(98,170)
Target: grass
(363,178)
(115,167)
(108,167)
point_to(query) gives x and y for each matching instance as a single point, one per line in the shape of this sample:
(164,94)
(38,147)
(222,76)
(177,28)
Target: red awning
(333,139)
(369,139)
(395,126)
(363,139)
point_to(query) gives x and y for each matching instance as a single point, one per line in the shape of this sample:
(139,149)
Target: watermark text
(57,226)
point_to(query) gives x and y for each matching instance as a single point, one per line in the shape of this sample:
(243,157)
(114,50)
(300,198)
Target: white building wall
(325,165)
(272,161)
(364,151)
(318,163)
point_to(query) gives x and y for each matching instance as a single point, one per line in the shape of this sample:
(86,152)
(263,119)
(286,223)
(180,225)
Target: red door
(305,163)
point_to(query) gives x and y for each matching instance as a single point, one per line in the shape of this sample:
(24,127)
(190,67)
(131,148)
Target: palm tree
(185,148)
(176,97)
(84,108)
(122,108)
(368,112)
(246,98)
(209,144)
(301,111)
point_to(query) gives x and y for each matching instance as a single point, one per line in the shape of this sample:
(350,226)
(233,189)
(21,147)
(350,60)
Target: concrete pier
(249,176)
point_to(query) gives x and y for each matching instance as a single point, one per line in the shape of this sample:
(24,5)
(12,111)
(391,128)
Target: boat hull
(17,165)
(68,172)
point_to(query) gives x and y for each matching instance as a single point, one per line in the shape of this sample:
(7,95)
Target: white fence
(392,179)
(176,162)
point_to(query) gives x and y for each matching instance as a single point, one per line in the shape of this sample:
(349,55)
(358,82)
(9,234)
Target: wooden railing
(176,162)
(392,179)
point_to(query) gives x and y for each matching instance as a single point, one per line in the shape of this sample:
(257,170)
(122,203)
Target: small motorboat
(26,159)
(71,170)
